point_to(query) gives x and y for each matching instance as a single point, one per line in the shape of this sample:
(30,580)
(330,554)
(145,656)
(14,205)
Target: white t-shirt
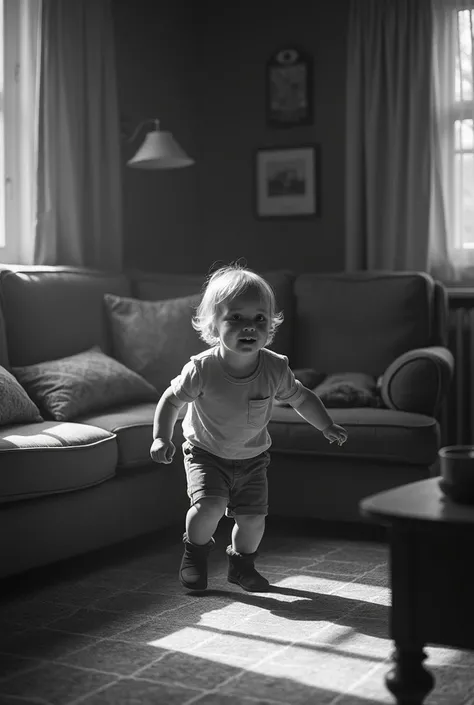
(226,415)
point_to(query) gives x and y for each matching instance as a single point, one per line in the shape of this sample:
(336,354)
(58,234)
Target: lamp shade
(160,151)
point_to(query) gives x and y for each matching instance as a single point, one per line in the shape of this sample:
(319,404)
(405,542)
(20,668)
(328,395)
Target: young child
(229,390)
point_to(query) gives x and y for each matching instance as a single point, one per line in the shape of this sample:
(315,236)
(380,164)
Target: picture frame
(289,94)
(287,182)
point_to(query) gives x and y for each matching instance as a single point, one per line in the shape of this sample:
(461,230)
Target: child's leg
(202,519)
(201,522)
(247,532)
(248,506)
(246,536)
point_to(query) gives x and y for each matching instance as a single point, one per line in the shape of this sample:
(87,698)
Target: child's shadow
(370,618)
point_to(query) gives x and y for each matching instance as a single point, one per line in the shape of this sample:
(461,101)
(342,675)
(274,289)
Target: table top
(421,501)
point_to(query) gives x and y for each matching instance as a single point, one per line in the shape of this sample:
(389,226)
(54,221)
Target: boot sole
(192,587)
(236,582)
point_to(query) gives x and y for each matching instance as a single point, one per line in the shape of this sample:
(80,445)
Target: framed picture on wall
(289,94)
(287,182)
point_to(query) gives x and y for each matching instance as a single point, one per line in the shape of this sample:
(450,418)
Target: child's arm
(166,413)
(314,412)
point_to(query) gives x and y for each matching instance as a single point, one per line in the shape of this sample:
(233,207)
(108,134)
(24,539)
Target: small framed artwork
(289,95)
(287,182)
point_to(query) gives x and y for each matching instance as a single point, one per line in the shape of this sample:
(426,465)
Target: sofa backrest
(3,342)
(53,312)
(152,286)
(360,322)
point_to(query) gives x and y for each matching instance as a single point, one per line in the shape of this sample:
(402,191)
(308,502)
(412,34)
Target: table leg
(409,681)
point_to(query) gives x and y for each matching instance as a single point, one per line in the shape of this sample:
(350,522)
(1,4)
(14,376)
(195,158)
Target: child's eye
(260,317)
(234,317)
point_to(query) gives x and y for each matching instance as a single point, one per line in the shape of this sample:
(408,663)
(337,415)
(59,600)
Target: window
(19,81)
(9,251)
(463,111)
(2,137)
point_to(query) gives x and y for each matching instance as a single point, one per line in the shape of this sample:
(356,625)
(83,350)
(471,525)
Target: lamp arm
(142,124)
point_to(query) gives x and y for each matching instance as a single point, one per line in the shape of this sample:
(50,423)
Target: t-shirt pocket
(257,411)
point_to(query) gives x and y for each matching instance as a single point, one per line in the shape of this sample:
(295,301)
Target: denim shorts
(243,483)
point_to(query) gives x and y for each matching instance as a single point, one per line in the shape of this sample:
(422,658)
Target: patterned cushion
(154,338)
(15,404)
(66,388)
(349,389)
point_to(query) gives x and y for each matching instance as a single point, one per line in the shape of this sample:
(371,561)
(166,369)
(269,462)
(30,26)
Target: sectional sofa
(85,354)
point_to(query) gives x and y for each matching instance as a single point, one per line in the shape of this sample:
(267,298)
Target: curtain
(387,135)
(452,178)
(22,37)
(79,170)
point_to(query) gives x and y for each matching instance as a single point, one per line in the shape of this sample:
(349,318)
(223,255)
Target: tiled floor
(118,629)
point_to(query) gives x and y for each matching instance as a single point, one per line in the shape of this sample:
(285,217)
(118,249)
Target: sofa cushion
(4,359)
(349,389)
(67,456)
(344,389)
(361,321)
(15,404)
(133,427)
(154,338)
(54,312)
(64,389)
(154,286)
(391,436)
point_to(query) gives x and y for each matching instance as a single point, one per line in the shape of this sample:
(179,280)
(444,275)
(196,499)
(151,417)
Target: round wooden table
(431,552)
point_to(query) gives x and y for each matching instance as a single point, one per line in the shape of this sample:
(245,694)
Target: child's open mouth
(247,340)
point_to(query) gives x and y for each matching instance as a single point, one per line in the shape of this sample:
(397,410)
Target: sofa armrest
(418,380)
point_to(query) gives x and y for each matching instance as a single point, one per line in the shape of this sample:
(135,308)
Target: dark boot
(242,571)
(193,568)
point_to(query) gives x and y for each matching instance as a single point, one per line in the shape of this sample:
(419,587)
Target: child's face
(243,324)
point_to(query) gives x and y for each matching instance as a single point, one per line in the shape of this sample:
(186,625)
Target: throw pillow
(154,338)
(349,389)
(15,404)
(89,381)
(416,381)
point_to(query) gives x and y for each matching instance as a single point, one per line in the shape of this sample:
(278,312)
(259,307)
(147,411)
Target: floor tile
(214,698)
(121,579)
(97,623)
(80,593)
(131,691)
(115,657)
(34,613)
(330,566)
(196,670)
(45,643)
(180,638)
(237,649)
(362,553)
(14,700)
(321,668)
(11,664)
(288,562)
(278,689)
(54,683)
(141,603)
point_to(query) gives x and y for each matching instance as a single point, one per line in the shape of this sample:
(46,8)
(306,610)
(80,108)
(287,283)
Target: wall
(205,73)
(155,54)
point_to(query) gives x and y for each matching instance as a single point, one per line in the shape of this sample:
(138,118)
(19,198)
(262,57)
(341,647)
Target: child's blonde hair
(223,286)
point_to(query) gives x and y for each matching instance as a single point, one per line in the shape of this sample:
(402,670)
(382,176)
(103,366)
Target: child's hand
(162,450)
(335,433)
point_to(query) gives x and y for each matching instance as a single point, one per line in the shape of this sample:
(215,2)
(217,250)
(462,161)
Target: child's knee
(211,505)
(255,521)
